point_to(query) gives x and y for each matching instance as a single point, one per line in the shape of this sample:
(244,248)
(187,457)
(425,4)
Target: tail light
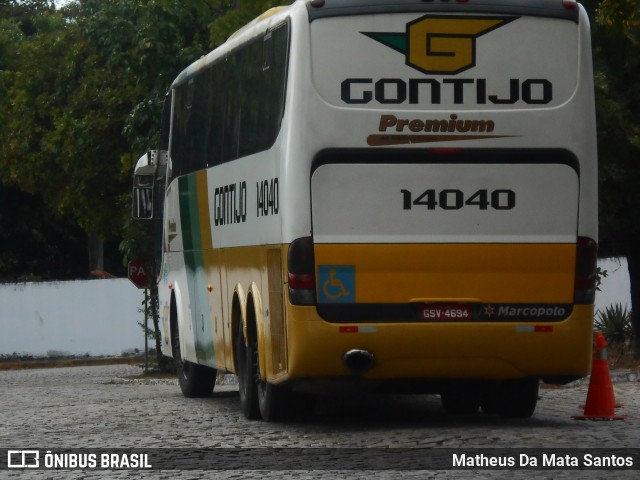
(301,270)
(569,4)
(586,265)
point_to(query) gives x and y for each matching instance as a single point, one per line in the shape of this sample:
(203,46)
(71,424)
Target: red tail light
(302,281)
(569,4)
(301,270)
(586,265)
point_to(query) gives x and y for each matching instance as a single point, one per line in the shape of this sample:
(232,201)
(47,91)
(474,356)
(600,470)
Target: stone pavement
(102,407)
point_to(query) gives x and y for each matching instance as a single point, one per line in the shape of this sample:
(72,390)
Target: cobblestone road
(103,407)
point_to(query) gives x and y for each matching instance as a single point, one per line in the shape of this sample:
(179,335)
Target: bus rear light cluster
(586,276)
(301,272)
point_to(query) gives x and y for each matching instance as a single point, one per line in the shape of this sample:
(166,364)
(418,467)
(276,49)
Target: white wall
(615,288)
(98,317)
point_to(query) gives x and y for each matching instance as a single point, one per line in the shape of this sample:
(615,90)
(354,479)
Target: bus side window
(267,50)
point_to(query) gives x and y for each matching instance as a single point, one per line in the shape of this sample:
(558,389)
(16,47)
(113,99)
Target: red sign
(138,273)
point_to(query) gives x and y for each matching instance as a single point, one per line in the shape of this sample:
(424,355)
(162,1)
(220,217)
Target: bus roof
(541,8)
(266,20)
(563,9)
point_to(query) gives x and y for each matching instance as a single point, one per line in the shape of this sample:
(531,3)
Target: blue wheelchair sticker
(336,284)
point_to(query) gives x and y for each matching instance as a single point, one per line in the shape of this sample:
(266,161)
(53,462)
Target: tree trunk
(96,253)
(633,259)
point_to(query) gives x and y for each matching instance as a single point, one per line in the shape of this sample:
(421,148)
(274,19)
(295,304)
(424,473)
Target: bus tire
(518,398)
(489,405)
(246,363)
(457,399)
(274,402)
(195,380)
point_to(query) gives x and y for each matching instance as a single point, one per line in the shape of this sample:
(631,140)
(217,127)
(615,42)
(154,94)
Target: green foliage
(600,274)
(614,323)
(235,18)
(81,92)
(22,12)
(622,16)
(43,248)
(617,67)
(615,29)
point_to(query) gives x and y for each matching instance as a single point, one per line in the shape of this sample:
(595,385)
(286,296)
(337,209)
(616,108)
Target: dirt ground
(621,358)
(22,363)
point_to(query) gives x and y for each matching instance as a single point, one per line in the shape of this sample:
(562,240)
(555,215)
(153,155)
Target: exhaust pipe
(358,361)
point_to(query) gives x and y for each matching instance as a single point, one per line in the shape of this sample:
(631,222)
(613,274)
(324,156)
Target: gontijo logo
(440,47)
(441,44)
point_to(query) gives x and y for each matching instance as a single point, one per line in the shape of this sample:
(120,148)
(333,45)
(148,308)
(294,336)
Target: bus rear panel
(453,218)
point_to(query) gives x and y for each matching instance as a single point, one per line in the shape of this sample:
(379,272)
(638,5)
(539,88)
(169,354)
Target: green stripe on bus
(189,218)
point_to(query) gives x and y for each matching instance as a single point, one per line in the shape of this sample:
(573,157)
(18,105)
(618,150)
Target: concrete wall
(98,317)
(615,287)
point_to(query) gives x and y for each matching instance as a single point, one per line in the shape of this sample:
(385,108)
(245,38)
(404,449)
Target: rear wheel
(195,380)
(518,398)
(247,385)
(489,404)
(460,399)
(274,401)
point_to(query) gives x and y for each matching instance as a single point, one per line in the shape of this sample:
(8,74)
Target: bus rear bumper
(556,351)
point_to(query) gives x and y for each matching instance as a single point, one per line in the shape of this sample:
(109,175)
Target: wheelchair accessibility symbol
(337,284)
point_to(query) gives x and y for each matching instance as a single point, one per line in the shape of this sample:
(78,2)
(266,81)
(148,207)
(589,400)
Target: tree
(22,12)
(238,13)
(617,69)
(86,86)
(43,247)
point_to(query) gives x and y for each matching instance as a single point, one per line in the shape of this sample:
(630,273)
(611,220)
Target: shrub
(614,323)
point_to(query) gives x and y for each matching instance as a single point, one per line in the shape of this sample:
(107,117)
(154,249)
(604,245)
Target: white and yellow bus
(396,195)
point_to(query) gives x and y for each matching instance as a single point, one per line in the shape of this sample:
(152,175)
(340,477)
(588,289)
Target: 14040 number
(454,199)
(268,197)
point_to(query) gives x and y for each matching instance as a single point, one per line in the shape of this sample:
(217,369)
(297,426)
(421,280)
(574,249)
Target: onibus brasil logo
(441,44)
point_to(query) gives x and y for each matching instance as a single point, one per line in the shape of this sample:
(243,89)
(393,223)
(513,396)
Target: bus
(381,196)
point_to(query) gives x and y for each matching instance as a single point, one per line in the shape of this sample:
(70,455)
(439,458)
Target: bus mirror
(144,179)
(142,199)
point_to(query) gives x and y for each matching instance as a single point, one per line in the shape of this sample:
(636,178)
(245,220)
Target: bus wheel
(518,398)
(195,380)
(274,402)
(458,400)
(247,385)
(489,404)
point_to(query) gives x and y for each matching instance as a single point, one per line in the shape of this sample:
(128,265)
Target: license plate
(441,312)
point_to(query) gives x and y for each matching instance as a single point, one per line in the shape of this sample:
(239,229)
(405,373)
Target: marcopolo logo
(441,44)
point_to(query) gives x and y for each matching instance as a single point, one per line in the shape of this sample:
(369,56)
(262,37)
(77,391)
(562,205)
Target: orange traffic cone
(600,397)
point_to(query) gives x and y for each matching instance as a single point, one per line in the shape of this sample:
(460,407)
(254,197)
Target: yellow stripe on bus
(499,273)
